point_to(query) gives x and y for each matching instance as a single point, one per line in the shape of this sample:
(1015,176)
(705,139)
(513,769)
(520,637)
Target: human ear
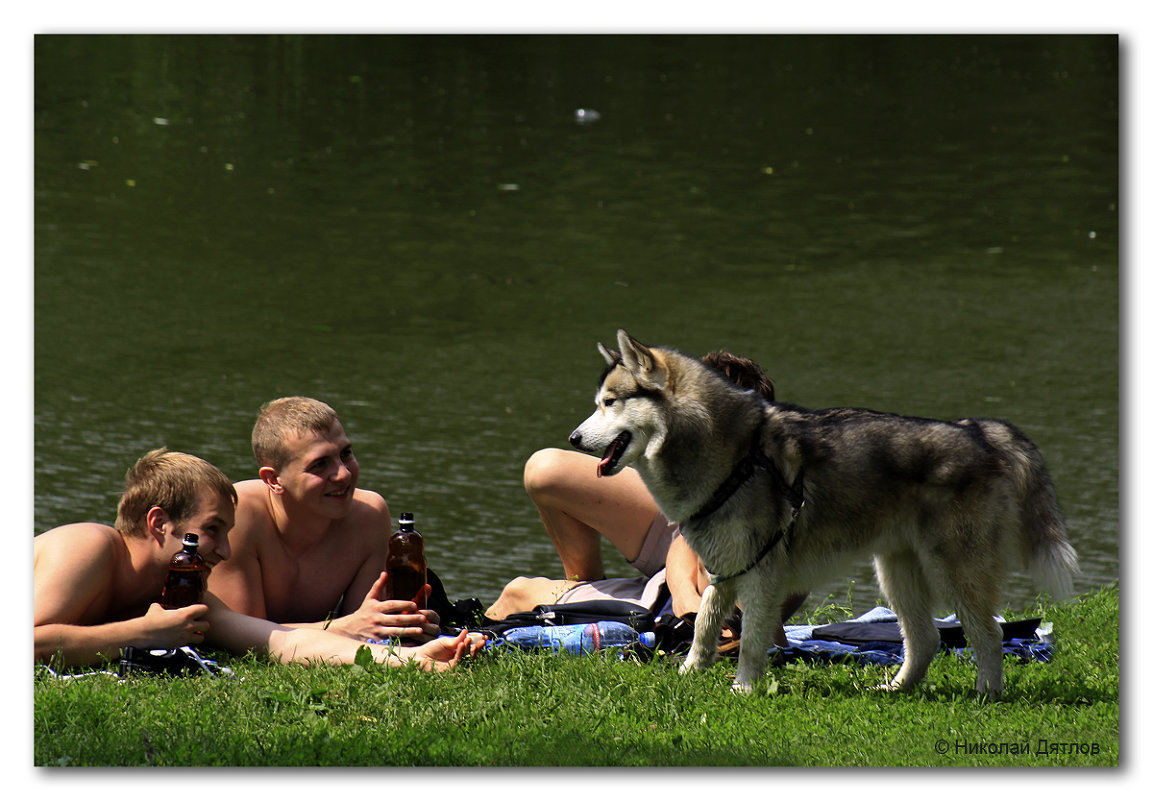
(271,479)
(155,520)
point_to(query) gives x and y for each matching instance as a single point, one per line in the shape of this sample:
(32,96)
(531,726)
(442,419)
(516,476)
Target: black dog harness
(742,472)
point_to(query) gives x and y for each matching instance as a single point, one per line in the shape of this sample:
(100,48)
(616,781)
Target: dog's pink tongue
(610,453)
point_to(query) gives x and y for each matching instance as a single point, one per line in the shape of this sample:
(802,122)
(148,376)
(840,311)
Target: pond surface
(422,232)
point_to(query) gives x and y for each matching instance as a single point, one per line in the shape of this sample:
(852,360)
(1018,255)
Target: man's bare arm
(241,633)
(71,644)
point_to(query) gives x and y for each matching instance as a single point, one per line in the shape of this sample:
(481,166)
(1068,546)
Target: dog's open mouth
(613,454)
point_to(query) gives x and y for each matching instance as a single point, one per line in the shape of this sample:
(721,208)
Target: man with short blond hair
(283,416)
(170,480)
(310,546)
(95,587)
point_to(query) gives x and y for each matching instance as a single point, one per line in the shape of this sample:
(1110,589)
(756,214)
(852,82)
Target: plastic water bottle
(581,638)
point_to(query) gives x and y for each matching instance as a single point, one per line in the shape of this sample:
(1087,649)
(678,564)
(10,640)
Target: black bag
(173,662)
(464,613)
(673,633)
(952,635)
(636,616)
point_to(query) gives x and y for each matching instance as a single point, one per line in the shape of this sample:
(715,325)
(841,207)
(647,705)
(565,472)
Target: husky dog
(775,498)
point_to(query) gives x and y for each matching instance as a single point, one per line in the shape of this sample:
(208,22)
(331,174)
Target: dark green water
(416,230)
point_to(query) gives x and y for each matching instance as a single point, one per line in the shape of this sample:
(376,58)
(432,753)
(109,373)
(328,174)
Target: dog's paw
(690,665)
(989,691)
(697,660)
(742,687)
(886,688)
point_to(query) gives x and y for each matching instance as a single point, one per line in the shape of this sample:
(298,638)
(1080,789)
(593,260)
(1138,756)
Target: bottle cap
(648,639)
(406,517)
(191,539)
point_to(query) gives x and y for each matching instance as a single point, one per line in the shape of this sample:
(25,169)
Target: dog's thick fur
(944,508)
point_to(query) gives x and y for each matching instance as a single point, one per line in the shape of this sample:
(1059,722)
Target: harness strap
(784,533)
(742,472)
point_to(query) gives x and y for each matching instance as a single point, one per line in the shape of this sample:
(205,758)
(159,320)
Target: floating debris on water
(585,116)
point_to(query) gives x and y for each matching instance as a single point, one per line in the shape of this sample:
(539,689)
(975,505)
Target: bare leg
(522,594)
(578,508)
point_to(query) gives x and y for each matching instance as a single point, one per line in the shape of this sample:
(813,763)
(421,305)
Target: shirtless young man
(578,509)
(309,547)
(95,587)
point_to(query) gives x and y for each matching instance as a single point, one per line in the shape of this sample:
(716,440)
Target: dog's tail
(1051,559)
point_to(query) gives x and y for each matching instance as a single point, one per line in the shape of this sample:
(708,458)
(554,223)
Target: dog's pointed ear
(611,356)
(646,367)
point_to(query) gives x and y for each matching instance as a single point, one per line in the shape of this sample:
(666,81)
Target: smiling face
(211,521)
(321,473)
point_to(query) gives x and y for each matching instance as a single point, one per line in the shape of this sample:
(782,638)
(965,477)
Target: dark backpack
(674,634)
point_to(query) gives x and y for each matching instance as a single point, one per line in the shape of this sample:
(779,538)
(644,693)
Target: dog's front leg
(717,602)
(761,604)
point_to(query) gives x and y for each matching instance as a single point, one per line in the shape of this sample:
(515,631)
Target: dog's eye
(609,401)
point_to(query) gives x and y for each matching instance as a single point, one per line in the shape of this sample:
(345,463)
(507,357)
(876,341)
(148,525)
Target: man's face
(211,522)
(322,472)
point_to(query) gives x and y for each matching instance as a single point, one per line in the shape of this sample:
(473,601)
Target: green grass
(531,709)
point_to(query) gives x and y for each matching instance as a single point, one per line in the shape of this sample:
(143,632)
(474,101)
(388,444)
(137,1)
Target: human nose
(221,547)
(346,470)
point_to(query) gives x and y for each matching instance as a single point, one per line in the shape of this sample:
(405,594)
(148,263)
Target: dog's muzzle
(612,454)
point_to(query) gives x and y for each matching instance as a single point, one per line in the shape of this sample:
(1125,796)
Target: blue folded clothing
(875,638)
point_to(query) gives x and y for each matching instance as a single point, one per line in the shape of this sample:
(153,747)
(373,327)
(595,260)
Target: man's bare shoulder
(251,491)
(253,513)
(78,541)
(368,518)
(74,570)
(370,508)
(373,501)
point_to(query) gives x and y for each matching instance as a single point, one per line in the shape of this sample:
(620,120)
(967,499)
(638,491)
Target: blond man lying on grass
(96,587)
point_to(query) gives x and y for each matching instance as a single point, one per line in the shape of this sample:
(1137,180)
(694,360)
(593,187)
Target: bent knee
(549,469)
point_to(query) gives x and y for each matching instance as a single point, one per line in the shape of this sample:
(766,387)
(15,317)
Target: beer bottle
(186,572)
(406,566)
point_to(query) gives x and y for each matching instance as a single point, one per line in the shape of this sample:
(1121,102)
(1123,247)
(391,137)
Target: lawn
(534,709)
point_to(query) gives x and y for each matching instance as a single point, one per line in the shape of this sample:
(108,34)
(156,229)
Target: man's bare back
(90,556)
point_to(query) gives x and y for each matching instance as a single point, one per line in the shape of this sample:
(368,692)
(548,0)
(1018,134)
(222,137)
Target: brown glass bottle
(186,573)
(406,565)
